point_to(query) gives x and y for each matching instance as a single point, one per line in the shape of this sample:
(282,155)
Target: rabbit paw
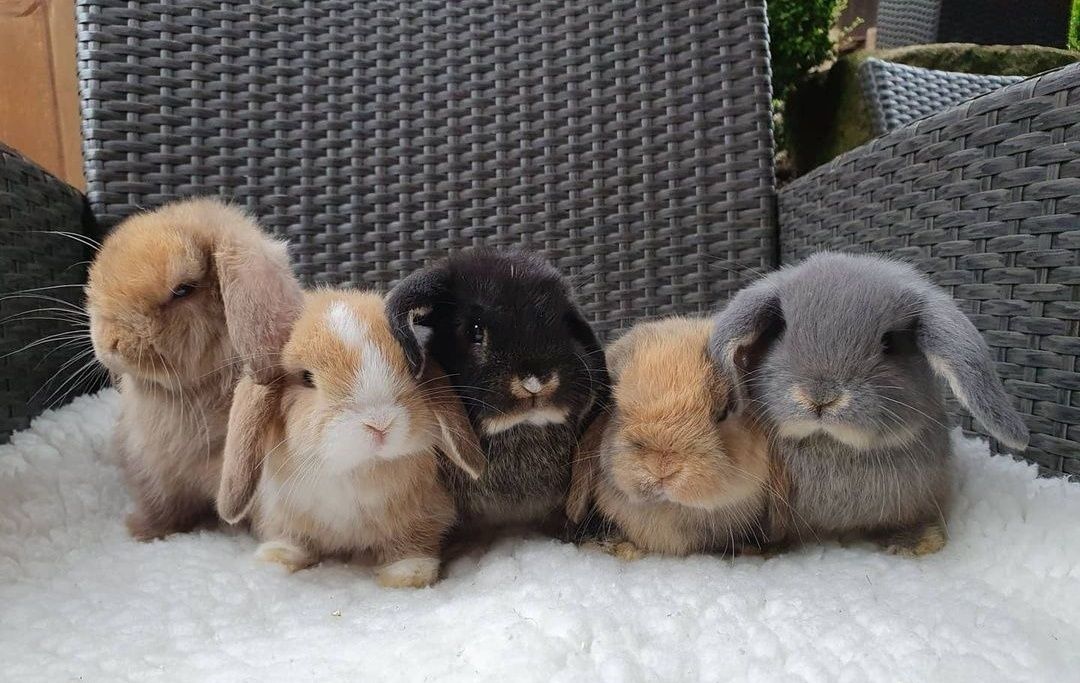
(288,555)
(624,550)
(916,542)
(413,572)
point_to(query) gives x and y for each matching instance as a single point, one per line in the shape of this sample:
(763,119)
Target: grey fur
(878,458)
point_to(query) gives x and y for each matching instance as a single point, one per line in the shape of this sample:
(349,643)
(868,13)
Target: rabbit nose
(664,468)
(818,399)
(532,384)
(378,427)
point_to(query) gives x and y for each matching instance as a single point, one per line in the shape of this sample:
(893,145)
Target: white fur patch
(344,324)
(421,332)
(373,400)
(538,417)
(850,436)
(336,500)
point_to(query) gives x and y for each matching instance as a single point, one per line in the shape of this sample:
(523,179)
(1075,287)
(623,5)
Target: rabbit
(839,355)
(676,466)
(525,362)
(350,441)
(178,300)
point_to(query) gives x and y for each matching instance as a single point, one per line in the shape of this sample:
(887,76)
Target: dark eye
(477,332)
(182,290)
(896,342)
(307,379)
(720,414)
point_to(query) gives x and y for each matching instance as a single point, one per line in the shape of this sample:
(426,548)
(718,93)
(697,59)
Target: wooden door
(39,98)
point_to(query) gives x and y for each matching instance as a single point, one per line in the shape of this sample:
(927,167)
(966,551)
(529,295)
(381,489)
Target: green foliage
(1074,26)
(799,38)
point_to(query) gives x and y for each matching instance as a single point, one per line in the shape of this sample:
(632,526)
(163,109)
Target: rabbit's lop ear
(743,330)
(409,307)
(957,352)
(253,423)
(584,470)
(458,440)
(261,295)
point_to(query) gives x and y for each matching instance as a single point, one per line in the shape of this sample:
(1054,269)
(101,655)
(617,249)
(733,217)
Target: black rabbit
(525,363)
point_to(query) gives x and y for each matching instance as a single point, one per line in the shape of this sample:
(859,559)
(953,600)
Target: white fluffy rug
(80,601)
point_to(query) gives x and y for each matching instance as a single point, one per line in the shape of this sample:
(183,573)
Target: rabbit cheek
(347,445)
(633,476)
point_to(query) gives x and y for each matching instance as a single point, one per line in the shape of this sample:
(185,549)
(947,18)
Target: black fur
(530,326)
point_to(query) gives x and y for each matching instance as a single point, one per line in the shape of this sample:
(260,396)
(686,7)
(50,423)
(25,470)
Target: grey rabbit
(839,356)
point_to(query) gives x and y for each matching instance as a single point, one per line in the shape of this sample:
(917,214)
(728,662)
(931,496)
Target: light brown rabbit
(179,299)
(339,458)
(674,466)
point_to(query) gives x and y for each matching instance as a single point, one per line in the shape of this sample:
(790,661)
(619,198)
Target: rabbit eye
(720,414)
(307,379)
(479,335)
(182,290)
(896,342)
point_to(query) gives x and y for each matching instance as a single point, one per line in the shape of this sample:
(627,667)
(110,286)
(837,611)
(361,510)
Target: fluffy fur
(676,467)
(840,355)
(525,362)
(344,448)
(178,301)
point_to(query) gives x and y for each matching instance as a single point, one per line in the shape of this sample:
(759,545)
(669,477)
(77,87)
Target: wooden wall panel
(39,98)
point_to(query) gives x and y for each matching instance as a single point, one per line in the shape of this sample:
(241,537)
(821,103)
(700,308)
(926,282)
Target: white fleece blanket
(80,601)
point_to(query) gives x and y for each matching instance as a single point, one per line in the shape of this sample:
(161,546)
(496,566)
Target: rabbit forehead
(143,260)
(839,302)
(516,286)
(346,338)
(667,376)
(149,253)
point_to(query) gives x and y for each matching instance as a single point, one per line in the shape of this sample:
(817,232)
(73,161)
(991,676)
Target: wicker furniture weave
(628,141)
(907,22)
(898,94)
(986,22)
(42,273)
(985,197)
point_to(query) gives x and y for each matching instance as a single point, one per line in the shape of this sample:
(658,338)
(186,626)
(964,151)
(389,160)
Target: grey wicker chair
(985,22)
(629,141)
(898,94)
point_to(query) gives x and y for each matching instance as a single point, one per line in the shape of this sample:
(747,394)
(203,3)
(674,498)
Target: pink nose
(378,432)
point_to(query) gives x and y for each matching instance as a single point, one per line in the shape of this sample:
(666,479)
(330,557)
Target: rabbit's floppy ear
(957,352)
(253,422)
(459,442)
(409,306)
(261,295)
(744,328)
(584,469)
